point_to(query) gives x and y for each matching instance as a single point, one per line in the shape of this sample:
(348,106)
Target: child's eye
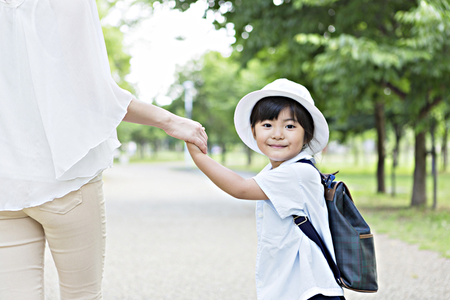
(290,126)
(267,125)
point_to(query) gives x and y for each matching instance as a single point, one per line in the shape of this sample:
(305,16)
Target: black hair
(269,108)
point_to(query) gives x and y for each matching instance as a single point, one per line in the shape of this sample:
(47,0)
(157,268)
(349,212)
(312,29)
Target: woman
(59,109)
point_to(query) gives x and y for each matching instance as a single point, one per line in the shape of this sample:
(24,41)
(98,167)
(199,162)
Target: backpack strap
(308,229)
(326,179)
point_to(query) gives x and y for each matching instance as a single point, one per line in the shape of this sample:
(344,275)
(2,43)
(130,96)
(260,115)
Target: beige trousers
(74,227)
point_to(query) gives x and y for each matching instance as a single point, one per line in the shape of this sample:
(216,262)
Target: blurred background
(378,70)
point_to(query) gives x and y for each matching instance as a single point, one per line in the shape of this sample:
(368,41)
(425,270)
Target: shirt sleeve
(290,187)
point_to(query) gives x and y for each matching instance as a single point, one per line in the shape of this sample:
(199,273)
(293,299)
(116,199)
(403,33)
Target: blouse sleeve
(289,188)
(80,104)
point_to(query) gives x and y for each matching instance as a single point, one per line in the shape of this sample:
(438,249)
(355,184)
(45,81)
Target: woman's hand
(181,128)
(194,150)
(188,131)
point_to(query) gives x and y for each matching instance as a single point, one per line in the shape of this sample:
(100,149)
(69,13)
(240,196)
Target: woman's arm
(181,128)
(224,178)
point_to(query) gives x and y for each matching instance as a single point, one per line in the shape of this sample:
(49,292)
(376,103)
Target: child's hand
(189,131)
(193,149)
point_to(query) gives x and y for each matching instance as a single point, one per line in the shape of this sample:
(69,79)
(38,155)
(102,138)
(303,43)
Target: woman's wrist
(165,120)
(148,114)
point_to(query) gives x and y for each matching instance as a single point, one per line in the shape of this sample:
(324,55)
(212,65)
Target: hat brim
(245,107)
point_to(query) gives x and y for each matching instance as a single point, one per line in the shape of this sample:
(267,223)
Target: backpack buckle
(329,179)
(300,221)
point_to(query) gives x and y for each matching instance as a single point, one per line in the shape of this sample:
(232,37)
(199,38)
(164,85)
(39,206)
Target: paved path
(173,235)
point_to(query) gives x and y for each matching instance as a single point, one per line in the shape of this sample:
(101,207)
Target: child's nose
(278,134)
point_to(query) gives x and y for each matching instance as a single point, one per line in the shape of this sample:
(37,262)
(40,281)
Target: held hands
(190,131)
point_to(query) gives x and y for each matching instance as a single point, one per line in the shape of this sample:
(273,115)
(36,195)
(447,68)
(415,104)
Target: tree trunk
(381,134)
(444,149)
(419,195)
(395,153)
(433,162)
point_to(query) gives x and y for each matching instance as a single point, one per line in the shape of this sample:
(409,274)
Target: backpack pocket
(363,278)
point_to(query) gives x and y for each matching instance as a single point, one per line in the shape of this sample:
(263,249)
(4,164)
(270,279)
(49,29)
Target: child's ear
(254,132)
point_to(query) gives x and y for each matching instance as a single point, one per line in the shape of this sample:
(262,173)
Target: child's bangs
(269,108)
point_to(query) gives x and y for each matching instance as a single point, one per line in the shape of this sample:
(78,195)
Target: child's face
(280,139)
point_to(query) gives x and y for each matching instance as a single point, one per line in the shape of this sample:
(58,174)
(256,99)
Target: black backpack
(352,240)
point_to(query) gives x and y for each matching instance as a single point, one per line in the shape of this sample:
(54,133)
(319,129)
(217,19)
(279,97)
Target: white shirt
(59,106)
(289,265)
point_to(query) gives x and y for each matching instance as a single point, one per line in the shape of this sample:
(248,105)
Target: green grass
(393,215)
(428,228)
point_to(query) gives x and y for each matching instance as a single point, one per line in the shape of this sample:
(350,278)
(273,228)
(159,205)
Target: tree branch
(396,90)
(427,108)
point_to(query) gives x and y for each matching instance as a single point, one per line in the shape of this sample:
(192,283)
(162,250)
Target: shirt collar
(301,155)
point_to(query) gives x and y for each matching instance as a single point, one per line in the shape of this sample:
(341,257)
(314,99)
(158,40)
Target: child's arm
(224,178)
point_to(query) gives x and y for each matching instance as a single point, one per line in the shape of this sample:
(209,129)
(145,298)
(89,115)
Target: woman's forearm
(140,112)
(181,128)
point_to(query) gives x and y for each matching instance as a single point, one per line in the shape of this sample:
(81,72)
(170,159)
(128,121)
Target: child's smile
(280,139)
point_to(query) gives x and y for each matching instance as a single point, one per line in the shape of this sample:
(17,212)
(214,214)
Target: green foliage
(119,59)
(344,51)
(430,32)
(119,62)
(300,3)
(431,23)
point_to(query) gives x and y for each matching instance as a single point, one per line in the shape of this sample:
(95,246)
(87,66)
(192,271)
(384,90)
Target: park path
(173,235)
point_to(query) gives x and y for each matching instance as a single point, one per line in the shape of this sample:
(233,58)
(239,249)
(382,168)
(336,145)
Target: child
(281,122)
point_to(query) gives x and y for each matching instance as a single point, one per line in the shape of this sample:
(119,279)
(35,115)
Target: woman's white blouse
(59,106)
(288,264)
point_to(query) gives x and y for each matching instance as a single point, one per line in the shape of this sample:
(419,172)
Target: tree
(219,85)
(398,121)
(119,59)
(430,30)
(444,148)
(216,95)
(119,62)
(300,37)
(352,50)
(358,68)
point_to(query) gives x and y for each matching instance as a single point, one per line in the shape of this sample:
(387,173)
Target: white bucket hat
(285,88)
